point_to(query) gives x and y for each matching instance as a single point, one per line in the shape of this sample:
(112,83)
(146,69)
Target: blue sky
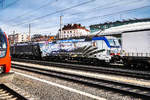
(43,15)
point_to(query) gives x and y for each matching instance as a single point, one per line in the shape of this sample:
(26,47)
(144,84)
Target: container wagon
(136,47)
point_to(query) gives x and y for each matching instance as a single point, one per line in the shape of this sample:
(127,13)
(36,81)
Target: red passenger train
(5,58)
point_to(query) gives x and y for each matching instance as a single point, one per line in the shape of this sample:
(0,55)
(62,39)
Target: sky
(44,15)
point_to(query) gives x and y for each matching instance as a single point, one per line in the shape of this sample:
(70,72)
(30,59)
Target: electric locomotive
(96,49)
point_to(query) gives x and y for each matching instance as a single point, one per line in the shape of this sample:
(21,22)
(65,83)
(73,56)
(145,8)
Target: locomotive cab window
(117,42)
(3,45)
(113,42)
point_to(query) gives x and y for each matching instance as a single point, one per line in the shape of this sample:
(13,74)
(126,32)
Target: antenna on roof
(100,31)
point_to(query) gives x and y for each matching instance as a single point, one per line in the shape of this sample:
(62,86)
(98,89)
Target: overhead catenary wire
(98,16)
(31,11)
(43,6)
(75,21)
(58,11)
(94,8)
(8,5)
(102,8)
(114,13)
(110,5)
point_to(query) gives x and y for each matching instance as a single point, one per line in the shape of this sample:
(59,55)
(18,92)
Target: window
(116,42)
(3,45)
(113,42)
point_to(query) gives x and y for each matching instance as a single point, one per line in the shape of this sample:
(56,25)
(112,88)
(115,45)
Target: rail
(125,88)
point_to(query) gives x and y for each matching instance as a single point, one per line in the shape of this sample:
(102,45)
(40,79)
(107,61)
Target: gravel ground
(48,92)
(20,91)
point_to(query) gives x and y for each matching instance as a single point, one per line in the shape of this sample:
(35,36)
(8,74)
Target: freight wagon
(136,47)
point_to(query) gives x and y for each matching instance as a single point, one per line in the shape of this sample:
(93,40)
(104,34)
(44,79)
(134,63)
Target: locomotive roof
(83,39)
(21,44)
(67,40)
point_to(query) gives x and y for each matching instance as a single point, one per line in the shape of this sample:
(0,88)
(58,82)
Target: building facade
(73,30)
(17,38)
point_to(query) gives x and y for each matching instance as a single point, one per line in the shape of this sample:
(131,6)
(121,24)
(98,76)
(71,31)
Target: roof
(125,21)
(124,28)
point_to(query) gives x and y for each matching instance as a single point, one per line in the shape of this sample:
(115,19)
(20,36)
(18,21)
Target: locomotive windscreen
(113,42)
(3,45)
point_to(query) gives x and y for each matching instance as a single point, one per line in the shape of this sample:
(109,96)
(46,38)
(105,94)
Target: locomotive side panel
(49,49)
(96,48)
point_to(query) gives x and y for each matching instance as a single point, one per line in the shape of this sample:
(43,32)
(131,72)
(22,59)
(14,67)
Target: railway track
(7,93)
(90,68)
(124,88)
